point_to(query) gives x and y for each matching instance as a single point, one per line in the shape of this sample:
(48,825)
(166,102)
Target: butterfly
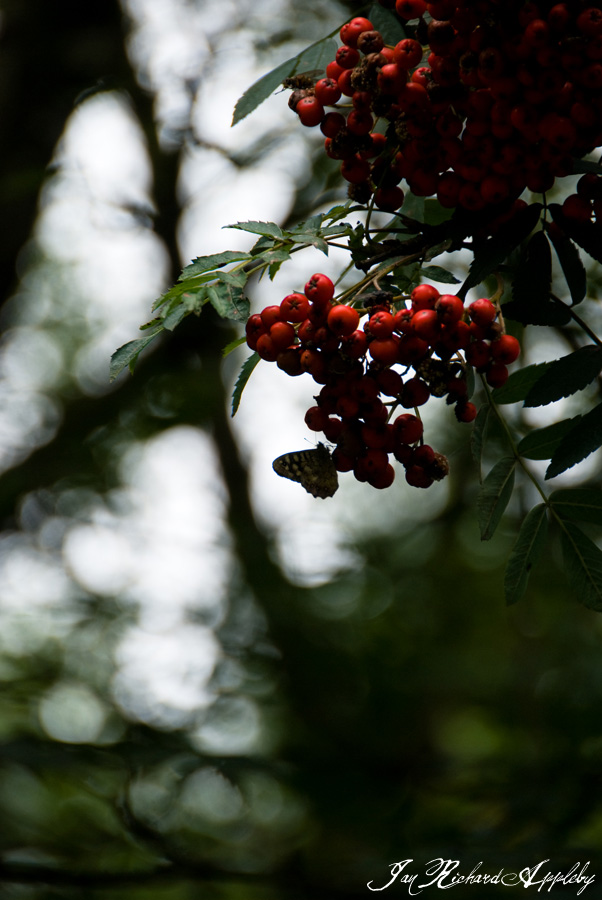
(313,469)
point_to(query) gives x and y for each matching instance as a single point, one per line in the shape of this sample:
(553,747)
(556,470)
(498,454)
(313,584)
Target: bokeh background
(212,685)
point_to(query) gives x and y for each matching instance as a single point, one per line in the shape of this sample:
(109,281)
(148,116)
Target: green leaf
(270,229)
(434,213)
(570,263)
(582,504)
(585,234)
(583,566)
(532,303)
(129,353)
(234,345)
(385,21)
(208,263)
(578,443)
(583,166)
(229,301)
(494,496)
(317,56)
(525,553)
(543,442)
(520,383)
(438,273)
(489,256)
(477,438)
(566,376)
(244,375)
(174,318)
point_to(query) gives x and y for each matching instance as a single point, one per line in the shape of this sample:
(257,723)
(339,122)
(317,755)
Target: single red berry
(360,122)
(577,208)
(424,456)
(347,57)
(482,312)
(384,351)
(269,315)
(411,349)
(254,329)
(332,429)
(407,53)
(465,411)
(389,199)
(408,428)
(334,70)
(289,361)
(294,308)
(417,477)
(355,169)
(410,9)
(505,349)
(424,296)
(347,407)
(355,345)
(383,478)
(310,111)
(319,288)
(282,335)
(381,324)
(331,124)
(343,320)
(478,354)
(327,91)
(390,382)
(415,392)
(316,418)
(425,323)
(450,309)
(267,349)
(496,375)
(590,21)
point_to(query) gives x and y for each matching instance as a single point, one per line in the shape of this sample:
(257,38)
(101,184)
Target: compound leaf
(494,496)
(494,251)
(525,553)
(229,301)
(269,229)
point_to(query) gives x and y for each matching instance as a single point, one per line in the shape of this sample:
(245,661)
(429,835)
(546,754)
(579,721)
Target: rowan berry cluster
(407,350)
(489,97)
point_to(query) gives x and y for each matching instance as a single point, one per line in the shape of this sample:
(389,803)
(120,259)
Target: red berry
(381,324)
(347,57)
(269,315)
(408,53)
(343,320)
(327,91)
(384,351)
(450,309)
(294,308)
(355,345)
(319,288)
(424,296)
(505,349)
(316,418)
(282,335)
(465,411)
(417,477)
(310,111)
(331,124)
(415,392)
(389,199)
(408,428)
(478,354)
(355,170)
(425,323)
(410,9)
(266,348)
(496,375)
(383,478)
(482,312)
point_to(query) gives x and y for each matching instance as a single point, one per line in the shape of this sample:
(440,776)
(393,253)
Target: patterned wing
(313,469)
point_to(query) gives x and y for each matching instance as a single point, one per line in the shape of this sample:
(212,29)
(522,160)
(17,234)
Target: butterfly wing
(313,469)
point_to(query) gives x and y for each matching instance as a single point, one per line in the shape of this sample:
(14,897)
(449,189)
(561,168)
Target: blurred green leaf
(583,566)
(494,496)
(580,504)
(525,553)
